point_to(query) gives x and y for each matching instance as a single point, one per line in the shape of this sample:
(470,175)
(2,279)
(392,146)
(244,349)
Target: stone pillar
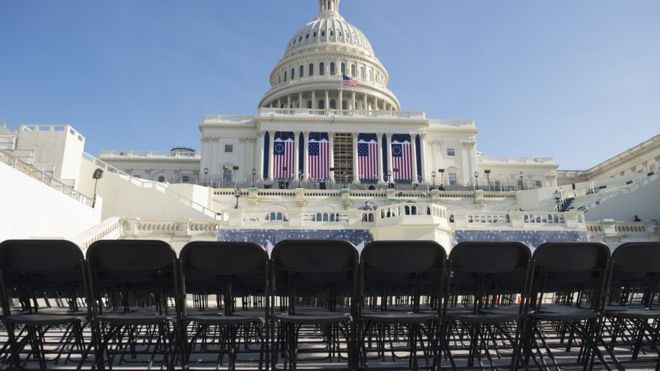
(296,155)
(327,100)
(340,104)
(331,153)
(365,103)
(413,147)
(380,157)
(288,101)
(260,145)
(422,148)
(388,147)
(306,156)
(301,105)
(356,172)
(271,143)
(352,105)
(315,104)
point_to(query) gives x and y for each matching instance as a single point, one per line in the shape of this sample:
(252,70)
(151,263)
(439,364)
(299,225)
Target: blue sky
(578,80)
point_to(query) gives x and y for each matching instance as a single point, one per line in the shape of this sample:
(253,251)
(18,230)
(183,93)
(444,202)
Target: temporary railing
(44,177)
(147,184)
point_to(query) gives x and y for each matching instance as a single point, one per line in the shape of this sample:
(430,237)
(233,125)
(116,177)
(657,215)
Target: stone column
(326,105)
(422,148)
(365,103)
(352,105)
(288,101)
(271,143)
(356,172)
(379,141)
(300,101)
(260,145)
(388,147)
(315,104)
(331,153)
(340,104)
(306,156)
(413,147)
(296,155)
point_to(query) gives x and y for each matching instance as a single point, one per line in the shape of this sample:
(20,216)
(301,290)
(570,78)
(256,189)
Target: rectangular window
(452,179)
(185,179)
(229,148)
(451,152)
(539,184)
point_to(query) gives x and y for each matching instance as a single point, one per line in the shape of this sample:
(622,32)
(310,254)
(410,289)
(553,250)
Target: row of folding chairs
(321,304)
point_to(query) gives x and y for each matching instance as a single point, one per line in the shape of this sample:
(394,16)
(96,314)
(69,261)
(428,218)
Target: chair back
(42,273)
(635,274)
(404,269)
(323,271)
(489,273)
(129,273)
(223,269)
(574,271)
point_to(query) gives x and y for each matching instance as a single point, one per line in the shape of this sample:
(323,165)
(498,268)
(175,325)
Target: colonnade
(323,99)
(384,163)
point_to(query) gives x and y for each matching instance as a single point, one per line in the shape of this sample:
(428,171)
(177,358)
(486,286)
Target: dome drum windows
(293,73)
(301,71)
(311,69)
(322,69)
(332,69)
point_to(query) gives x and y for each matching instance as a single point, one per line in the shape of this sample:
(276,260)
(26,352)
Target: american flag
(368,156)
(319,164)
(349,81)
(283,155)
(402,157)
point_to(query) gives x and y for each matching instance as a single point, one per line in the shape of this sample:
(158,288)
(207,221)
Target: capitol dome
(329,64)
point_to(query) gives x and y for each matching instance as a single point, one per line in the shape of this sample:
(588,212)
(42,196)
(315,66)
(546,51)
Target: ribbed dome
(329,28)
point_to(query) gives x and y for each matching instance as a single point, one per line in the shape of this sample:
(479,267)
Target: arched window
(311,69)
(343,68)
(332,68)
(333,104)
(362,72)
(353,70)
(309,104)
(321,104)
(285,76)
(293,73)
(302,71)
(322,69)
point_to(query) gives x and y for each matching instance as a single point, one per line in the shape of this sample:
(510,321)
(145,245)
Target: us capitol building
(328,154)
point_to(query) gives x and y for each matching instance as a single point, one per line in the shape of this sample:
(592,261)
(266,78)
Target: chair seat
(40,319)
(313,317)
(221,319)
(632,311)
(563,313)
(498,314)
(135,318)
(399,317)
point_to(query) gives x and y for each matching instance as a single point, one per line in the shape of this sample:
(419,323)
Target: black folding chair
(566,299)
(402,285)
(486,291)
(314,284)
(225,300)
(133,288)
(633,299)
(43,302)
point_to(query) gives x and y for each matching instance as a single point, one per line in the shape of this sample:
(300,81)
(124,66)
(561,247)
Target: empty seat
(134,290)
(43,289)
(566,293)
(633,300)
(403,287)
(225,299)
(488,282)
(314,284)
